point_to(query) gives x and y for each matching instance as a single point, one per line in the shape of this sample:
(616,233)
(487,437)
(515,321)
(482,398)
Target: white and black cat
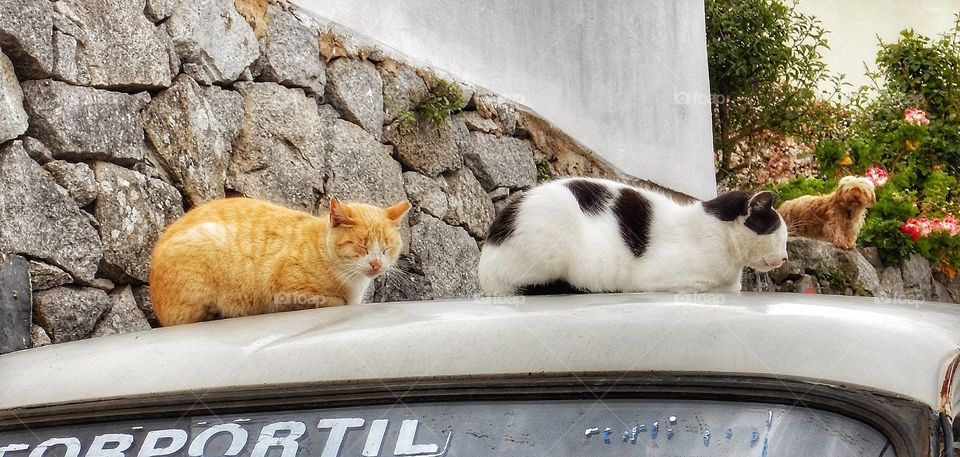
(593,235)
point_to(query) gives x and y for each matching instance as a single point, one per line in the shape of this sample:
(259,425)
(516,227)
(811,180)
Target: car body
(703,374)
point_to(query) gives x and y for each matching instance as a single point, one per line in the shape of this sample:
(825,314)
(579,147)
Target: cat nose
(375,265)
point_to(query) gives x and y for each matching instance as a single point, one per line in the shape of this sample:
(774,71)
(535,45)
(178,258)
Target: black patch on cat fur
(728,206)
(505,223)
(556,287)
(591,196)
(633,213)
(763,219)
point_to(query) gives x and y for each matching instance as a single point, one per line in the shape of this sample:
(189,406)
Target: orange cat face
(365,239)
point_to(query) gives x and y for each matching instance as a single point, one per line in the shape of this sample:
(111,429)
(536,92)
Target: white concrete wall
(621,76)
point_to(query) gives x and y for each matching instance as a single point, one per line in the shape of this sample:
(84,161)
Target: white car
(590,375)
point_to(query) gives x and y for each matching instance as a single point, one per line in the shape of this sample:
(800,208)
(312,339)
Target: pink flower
(950,225)
(915,117)
(925,226)
(878,175)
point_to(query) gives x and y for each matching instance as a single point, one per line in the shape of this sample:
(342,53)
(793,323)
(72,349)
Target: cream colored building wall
(854,26)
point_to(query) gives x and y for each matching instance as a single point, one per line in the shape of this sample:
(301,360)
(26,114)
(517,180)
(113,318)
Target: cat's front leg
(334,301)
(294,301)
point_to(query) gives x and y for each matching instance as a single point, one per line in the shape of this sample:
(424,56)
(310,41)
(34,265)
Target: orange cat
(239,257)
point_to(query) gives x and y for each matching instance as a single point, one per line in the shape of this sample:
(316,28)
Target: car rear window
(588,427)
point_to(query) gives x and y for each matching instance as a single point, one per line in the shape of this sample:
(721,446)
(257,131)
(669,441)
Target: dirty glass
(497,428)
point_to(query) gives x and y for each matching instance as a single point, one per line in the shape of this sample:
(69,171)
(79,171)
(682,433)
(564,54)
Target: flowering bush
(915,117)
(923,227)
(878,176)
(904,135)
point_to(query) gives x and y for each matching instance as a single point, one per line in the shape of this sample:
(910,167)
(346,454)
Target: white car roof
(901,348)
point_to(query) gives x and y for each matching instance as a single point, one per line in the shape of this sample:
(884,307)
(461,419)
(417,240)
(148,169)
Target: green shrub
(444,100)
(802,186)
(765,67)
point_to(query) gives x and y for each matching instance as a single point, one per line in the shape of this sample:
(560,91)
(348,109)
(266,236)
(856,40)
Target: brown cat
(239,257)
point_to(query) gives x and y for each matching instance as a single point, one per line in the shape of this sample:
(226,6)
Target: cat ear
(761,201)
(396,212)
(339,214)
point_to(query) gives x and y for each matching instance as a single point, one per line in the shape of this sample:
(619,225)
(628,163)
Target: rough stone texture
(355,89)
(26,36)
(427,150)
(158,10)
(429,194)
(806,255)
(79,123)
(40,220)
(469,205)
(362,170)
(123,317)
(132,210)
(892,282)
(76,178)
(37,150)
(290,53)
(44,276)
(756,281)
(807,284)
(940,293)
(872,254)
(192,129)
(862,274)
(477,123)
(819,258)
(39,336)
(13,119)
(403,89)
(404,282)
(953,288)
(212,40)
(103,284)
(279,155)
(917,277)
(499,162)
(359,167)
(499,109)
(448,258)
(142,296)
(16,303)
(69,314)
(110,44)
(499,194)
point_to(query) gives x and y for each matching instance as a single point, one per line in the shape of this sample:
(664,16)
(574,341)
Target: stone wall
(117,116)
(818,267)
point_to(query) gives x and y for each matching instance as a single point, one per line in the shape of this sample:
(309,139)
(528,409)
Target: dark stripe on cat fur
(728,206)
(763,222)
(591,196)
(557,287)
(633,213)
(505,222)
(763,219)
